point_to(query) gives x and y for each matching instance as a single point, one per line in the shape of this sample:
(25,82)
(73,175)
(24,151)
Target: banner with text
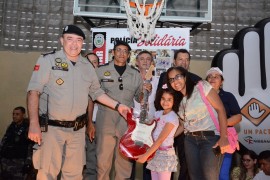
(162,47)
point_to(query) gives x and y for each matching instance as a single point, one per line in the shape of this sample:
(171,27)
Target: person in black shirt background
(16,148)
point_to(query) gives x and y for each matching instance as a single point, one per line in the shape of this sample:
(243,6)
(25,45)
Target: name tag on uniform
(59,68)
(107,80)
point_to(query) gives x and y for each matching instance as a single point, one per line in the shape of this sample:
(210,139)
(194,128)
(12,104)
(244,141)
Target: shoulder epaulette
(45,54)
(106,64)
(132,67)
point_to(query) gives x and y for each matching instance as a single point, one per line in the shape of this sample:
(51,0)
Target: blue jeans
(201,161)
(225,167)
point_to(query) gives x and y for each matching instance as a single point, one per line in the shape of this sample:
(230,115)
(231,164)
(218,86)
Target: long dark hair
(176,99)
(189,83)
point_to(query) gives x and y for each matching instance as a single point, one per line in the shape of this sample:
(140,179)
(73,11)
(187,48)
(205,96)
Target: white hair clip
(164,86)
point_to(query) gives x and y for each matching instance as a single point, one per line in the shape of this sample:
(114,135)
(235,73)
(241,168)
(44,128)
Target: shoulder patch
(132,67)
(45,54)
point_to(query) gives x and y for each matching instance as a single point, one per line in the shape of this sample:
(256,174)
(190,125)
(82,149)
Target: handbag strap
(210,110)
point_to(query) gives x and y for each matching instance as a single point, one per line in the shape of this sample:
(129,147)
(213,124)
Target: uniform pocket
(85,83)
(108,85)
(129,92)
(42,155)
(36,156)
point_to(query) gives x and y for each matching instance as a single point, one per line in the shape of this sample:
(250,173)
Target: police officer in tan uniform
(59,89)
(122,83)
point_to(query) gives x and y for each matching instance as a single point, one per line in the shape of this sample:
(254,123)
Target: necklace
(184,105)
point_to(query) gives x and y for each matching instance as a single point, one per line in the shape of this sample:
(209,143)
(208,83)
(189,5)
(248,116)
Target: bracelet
(117,106)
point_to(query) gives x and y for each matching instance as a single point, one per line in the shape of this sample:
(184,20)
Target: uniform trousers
(61,149)
(109,129)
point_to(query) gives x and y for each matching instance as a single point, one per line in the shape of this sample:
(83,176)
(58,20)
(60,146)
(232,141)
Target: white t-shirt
(151,99)
(95,112)
(261,176)
(194,112)
(172,118)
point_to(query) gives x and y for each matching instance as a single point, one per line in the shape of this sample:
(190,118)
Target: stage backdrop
(162,47)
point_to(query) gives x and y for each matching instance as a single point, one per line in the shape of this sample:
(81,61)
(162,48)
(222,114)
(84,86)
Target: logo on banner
(255,111)
(99,40)
(251,140)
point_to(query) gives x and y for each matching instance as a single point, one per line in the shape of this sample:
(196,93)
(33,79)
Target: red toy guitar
(138,137)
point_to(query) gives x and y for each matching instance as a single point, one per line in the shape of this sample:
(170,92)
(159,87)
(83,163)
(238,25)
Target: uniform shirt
(230,103)
(109,80)
(194,112)
(172,118)
(66,85)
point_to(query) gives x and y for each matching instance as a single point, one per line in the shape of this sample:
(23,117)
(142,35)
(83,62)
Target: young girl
(165,160)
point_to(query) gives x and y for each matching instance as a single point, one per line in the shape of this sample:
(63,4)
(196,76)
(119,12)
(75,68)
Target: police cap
(72,29)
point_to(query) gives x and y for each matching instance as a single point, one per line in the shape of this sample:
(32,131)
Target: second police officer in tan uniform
(59,87)
(122,83)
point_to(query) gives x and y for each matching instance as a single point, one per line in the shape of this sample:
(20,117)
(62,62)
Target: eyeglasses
(120,79)
(119,50)
(246,160)
(213,77)
(177,77)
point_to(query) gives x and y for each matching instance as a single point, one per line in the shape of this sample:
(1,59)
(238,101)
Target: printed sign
(162,47)
(246,71)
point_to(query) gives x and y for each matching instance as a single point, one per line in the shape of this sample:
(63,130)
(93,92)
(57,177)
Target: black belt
(77,124)
(66,124)
(201,133)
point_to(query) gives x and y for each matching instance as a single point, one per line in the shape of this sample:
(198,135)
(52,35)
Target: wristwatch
(117,106)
